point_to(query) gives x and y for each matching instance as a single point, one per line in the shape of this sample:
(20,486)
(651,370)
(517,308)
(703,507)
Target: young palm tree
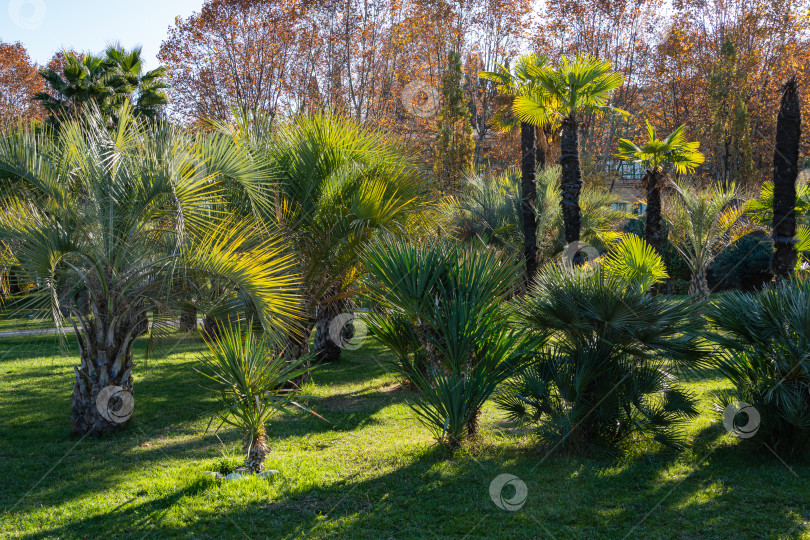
(701,224)
(656,155)
(104,224)
(576,88)
(335,186)
(510,86)
(250,378)
(785,171)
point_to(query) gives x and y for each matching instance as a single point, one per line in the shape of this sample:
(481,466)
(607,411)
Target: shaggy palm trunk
(699,287)
(785,172)
(571,182)
(188,319)
(652,222)
(541,153)
(528,196)
(102,388)
(326,350)
(256,454)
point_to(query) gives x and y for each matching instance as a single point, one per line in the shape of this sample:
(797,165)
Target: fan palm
(764,340)
(510,86)
(336,185)
(701,223)
(610,366)
(576,88)
(103,224)
(656,156)
(107,81)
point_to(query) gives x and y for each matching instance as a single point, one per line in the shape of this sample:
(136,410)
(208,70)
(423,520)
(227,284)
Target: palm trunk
(652,221)
(528,196)
(699,286)
(188,319)
(103,385)
(571,181)
(785,172)
(326,350)
(541,153)
(256,454)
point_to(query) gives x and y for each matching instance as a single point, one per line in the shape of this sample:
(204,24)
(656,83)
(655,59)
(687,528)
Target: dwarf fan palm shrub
(443,319)
(610,368)
(764,341)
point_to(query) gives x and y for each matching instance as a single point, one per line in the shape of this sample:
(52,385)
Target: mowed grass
(371,471)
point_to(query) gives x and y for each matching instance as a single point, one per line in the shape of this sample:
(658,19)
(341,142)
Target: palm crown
(657,154)
(576,87)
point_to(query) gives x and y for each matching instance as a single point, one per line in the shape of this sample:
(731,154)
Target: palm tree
(250,378)
(785,171)
(335,186)
(105,224)
(575,89)
(510,86)
(656,155)
(701,223)
(107,81)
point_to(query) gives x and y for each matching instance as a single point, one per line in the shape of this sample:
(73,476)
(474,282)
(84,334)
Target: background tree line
(714,66)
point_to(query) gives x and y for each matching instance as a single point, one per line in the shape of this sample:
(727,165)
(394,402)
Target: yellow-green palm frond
(656,154)
(633,260)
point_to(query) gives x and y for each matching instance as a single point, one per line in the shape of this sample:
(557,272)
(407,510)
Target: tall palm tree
(335,186)
(657,155)
(701,223)
(105,224)
(785,172)
(107,81)
(576,88)
(510,86)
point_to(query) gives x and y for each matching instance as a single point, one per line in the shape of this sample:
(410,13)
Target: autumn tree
(18,83)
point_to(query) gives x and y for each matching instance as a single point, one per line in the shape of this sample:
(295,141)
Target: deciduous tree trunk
(571,181)
(528,197)
(785,172)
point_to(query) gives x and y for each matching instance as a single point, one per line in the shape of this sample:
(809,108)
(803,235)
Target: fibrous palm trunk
(785,172)
(652,222)
(188,319)
(256,454)
(571,181)
(528,196)
(102,388)
(698,286)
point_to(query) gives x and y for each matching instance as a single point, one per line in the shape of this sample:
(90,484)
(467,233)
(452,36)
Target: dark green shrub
(444,320)
(610,368)
(743,265)
(764,341)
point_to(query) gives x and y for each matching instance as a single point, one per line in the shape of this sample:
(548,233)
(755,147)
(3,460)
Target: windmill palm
(656,156)
(576,88)
(701,223)
(511,86)
(103,225)
(336,185)
(107,81)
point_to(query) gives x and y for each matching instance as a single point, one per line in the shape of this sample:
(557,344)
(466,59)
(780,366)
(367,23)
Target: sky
(47,26)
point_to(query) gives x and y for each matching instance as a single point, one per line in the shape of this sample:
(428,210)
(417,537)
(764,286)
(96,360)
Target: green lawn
(372,472)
